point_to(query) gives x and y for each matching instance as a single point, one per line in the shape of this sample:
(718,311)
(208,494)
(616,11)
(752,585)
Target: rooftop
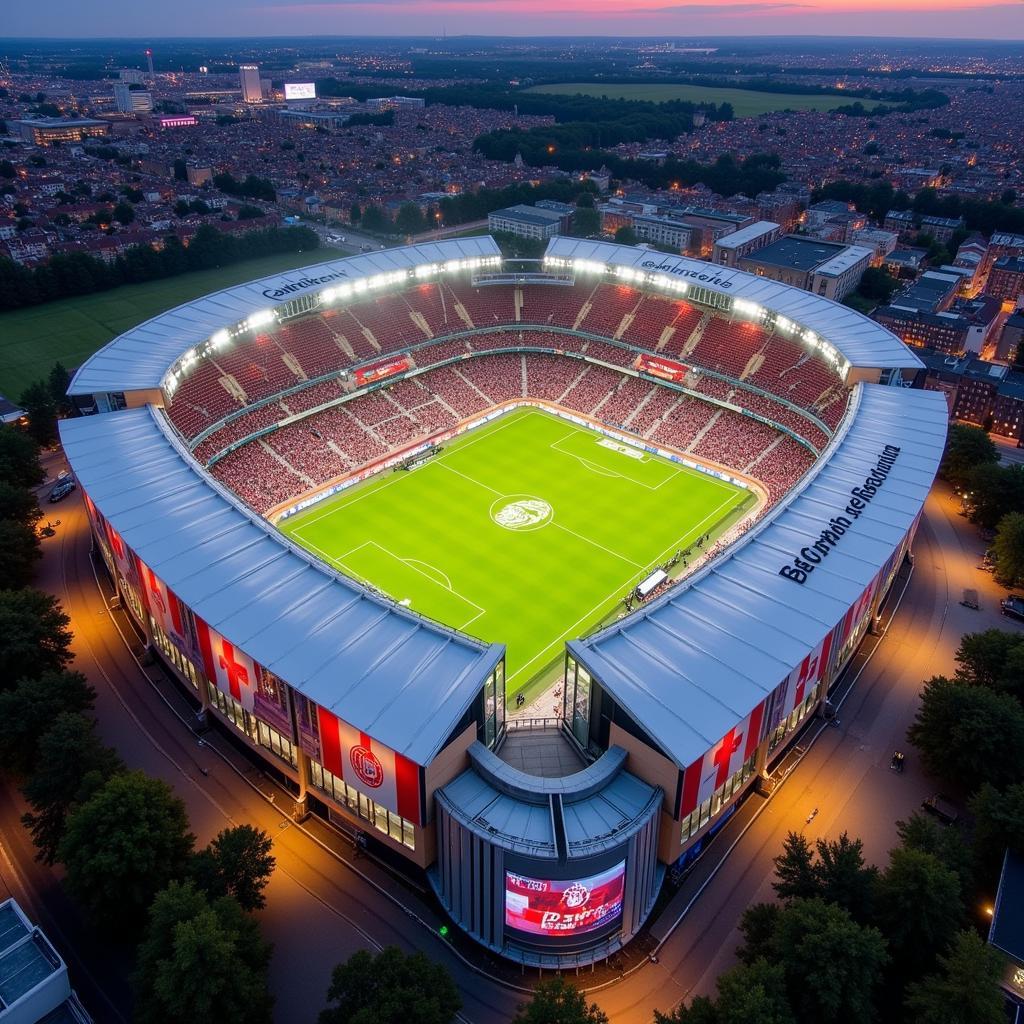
(705,655)
(528,214)
(386,671)
(1007,931)
(806,254)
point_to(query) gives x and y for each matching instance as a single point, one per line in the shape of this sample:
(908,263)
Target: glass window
(581,707)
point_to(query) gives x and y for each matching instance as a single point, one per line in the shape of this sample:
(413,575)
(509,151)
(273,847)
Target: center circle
(521,512)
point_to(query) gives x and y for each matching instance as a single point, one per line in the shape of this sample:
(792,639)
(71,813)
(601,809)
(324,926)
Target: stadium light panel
(220,339)
(259,318)
(327,295)
(344,291)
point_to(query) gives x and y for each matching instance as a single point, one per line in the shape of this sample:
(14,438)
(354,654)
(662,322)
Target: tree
(838,875)
(966,448)
(390,988)
(201,961)
(34,635)
(794,869)
(968,734)
(72,764)
(922,832)
(877,284)
(29,709)
(19,458)
(237,863)
(832,965)
(42,413)
(994,491)
(557,1001)
(626,236)
(18,504)
(19,552)
(965,989)
(919,908)
(57,384)
(998,824)
(754,994)
(586,221)
(409,220)
(355,213)
(374,219)
(124,213)
(123,846)
(992,658)
(1008,549)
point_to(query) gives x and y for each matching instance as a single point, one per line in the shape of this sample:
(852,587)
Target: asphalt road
(322,905)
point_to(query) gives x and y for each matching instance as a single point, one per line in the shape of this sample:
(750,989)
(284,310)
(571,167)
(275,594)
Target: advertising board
(564,906)
(300,90)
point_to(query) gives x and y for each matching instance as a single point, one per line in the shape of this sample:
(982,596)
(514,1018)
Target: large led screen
(300,90)
(564,906)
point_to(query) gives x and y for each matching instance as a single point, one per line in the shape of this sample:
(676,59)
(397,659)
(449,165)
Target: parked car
(62,489)
(940,806)
(1013,605)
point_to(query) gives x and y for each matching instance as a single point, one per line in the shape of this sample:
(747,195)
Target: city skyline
(961,19)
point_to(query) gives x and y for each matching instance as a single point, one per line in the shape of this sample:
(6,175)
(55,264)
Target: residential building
(825,268)
(1006,280)
(525,221)
(731,248)
(34,983)
(1009,346)
(132,101)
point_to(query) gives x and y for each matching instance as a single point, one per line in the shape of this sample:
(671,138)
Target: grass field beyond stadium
(745,102)
(69,330)
(525,531)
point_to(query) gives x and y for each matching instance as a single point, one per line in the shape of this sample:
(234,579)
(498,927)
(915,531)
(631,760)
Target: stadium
(374,512)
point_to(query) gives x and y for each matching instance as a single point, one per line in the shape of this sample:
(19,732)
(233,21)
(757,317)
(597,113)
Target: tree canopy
(34,635)
(557,1001)
(390,987)
(966,448)
(237,863)
(122,846)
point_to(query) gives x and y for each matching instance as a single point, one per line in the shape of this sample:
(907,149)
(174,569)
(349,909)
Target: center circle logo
(367,767)
(521,512)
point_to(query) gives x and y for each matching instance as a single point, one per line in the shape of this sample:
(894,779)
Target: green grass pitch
(745,102)
(433,537)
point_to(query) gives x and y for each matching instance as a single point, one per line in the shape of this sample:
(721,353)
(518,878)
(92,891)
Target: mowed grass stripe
(535,588)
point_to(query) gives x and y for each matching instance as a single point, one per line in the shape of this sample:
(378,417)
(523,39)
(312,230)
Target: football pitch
(527,531)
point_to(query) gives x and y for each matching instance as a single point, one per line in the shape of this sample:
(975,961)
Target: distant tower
(149,62)
(249,79)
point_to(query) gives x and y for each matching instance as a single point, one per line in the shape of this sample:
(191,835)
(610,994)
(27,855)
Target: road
(355,240)
(322,905)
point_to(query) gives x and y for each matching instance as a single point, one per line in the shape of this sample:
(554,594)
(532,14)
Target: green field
(33,339)
(745,102)
(431,537)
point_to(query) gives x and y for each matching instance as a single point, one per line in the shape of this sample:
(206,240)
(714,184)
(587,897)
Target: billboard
(710,772)
(300,90)
(564,906)
(378,772)
(369,374)
(667,369)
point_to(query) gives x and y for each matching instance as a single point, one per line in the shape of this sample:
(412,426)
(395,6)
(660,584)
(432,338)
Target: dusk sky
(936,18)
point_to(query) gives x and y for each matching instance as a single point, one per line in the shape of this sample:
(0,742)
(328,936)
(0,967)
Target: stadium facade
(381,720)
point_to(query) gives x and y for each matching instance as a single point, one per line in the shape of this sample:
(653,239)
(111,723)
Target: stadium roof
(139,358)
(403,679)
(695,662)
(861,341)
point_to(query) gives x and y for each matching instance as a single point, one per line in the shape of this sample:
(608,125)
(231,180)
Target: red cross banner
(165,608)
(387,778)
(721,762)
(232,671)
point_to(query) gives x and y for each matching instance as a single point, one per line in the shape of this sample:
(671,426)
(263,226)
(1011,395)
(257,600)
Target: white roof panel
(401,678)
(862,342)
(139,358)
(697,661)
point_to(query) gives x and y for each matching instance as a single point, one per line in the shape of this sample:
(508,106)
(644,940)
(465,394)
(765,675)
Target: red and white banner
(369,374)
(387,778)
(854,614)
(721,762)
(123,556)
(231,670)
(667,369)
(165,608)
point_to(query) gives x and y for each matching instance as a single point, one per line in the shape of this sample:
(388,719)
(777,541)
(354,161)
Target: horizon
(974,20)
